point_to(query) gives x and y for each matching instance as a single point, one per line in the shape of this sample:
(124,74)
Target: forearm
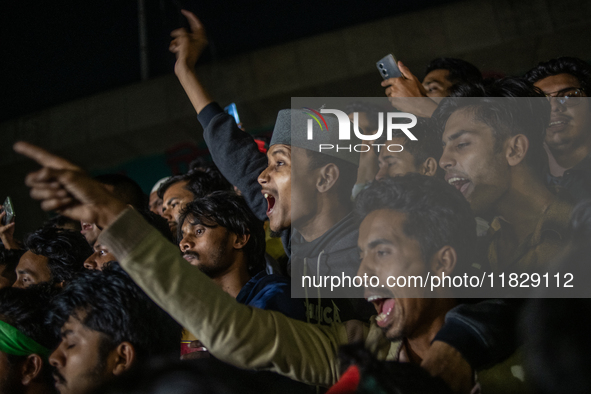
(243,336)
(197,94)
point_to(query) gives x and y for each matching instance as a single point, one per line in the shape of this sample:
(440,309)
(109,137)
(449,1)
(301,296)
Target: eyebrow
(66,333)
(24,272)
(379,242)
(458,135)
(280,151)
(171,199)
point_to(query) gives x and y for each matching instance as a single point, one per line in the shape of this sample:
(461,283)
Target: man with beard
(567,82)
(493,154)
(25,341)
(107,325)
(222,237)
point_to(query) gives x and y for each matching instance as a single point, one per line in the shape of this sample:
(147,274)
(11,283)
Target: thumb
(405,71)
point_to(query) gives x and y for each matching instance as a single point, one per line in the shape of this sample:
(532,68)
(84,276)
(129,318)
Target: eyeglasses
(568,97)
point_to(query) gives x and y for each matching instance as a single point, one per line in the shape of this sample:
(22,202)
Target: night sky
(61,50)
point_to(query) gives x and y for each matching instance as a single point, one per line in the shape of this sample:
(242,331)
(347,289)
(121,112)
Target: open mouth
(86,227)
(189,257)
(270,202)
(459,183)
(384,307)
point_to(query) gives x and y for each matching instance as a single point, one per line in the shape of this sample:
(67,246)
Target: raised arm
(233,151)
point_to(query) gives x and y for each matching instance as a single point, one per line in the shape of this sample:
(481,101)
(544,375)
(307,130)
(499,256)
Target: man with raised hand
(324,230)
(408,94)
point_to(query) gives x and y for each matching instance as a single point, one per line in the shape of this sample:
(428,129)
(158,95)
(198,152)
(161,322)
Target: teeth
(373,298)
(557,122)
(266,195)
(454,179)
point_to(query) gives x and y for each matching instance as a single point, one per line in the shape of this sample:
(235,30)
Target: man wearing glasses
(567,82)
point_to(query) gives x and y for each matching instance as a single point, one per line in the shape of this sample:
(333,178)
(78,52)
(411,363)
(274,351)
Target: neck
(418,344)
(523,204)
(327,214)
(234,278)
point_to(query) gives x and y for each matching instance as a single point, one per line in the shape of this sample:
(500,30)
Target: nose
(264,177)
(382,173)
(56,359)
(18,284)
(185,244)
(555,106)
(90,262)
(446,161)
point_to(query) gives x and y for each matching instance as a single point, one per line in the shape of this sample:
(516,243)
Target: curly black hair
(437,214)
(460,71)
(65,250)
(229,210)
(110,302)
(509,107)
(200,181)
(563,65)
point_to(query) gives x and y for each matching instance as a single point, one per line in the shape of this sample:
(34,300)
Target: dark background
(61,50)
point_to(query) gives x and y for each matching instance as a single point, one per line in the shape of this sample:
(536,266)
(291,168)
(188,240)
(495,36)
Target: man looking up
(441,75)
(107,325)
(320,183)
(493,154)
(567,82)
(25,341)
(53,256)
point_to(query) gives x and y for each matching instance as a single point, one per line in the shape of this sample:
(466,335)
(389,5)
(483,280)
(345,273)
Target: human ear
(429,167)
(444,261)
(327,177)
(125,356)
(31,369)
(240,240)
(516,149)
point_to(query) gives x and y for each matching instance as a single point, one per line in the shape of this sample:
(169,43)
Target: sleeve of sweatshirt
(484,333)
(236,154)
(244,336)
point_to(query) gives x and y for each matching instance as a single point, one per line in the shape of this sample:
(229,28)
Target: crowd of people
(199,287)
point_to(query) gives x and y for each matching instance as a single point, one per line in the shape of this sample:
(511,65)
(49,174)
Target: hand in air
(64,187)
(188,45)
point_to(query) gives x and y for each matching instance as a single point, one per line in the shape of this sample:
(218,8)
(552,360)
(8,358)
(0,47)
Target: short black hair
(347,173)
(437,214)
(460,71)
(229,210)
(200,181)
(563,65)
(110,302)
(65,250)
(523,109)
(126,189)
